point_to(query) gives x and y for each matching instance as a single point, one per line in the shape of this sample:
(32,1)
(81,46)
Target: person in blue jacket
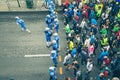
(94,21)
(48,35)
(56,25)
(115,9)
(47,2)
(48,21)
(53,14)
(54,57)
(101,56)
(56,38)
(70,14)
(21,22)
(51,6)
(52,73)
(55,46)
(74,52)
(92,14)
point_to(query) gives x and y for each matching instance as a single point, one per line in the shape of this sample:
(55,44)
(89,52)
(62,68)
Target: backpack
(106,73)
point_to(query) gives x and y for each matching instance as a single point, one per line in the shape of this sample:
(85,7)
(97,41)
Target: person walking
(84,56)
(48,35)
(57,39)
(52,73)
(66,61)
(89,65)
(75,67)
(53,56)
(21,22)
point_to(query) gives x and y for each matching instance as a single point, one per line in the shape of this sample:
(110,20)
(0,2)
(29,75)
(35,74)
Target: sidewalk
(12,5)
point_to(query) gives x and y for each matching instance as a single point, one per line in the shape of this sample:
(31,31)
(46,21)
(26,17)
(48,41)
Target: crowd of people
(92,32)
(52,37)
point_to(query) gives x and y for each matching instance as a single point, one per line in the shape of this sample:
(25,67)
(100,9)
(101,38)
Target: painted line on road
(38,55)
(61,70)
(59,58)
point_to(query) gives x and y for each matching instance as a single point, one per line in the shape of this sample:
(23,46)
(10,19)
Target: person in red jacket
(66,3)
(118,33)
(106,61)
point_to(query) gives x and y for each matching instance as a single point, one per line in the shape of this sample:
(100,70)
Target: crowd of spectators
(93,32)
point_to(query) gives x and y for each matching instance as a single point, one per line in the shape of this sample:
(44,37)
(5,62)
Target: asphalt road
(15,44)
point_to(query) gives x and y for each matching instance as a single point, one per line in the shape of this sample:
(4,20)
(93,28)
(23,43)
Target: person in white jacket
(83,24)
(87,42)
(89,65)
(67,60)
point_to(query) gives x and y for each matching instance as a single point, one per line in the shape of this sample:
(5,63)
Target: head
(101,74)
(75,62)
(16,17)
(56,20)
(53,42)
(105,57)
(87,37)
(55,34)
(47,28)
(48,15)
(115,78)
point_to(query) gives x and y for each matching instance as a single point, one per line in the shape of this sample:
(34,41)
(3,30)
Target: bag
(106,73)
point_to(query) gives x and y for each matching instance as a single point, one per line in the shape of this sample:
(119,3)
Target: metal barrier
(22,5)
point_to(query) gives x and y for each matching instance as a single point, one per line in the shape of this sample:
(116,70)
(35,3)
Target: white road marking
(38,55)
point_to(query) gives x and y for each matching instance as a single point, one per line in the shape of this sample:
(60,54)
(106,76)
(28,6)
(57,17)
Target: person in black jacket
(95,45)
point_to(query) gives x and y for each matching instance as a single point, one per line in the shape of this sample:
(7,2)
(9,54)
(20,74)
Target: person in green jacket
(103,31)
(116,28)
(67,29)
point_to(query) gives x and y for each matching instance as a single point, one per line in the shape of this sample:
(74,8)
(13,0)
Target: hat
(116,2)
(56,19)
(115,78)
(17,17)
(105,57)
(55,34)
(53,51)
(66,10)
(47,28)
(48,15)
(87,36)
(106,68)
(53,41)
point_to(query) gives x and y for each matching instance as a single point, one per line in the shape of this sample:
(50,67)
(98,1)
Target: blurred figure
(53,56)
(66,61)
(52,72)
(57,39)
(20,22)
(75,67)
(48,35)
(55,46)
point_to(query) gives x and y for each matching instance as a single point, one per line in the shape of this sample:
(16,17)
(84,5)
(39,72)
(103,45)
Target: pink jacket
(90,49)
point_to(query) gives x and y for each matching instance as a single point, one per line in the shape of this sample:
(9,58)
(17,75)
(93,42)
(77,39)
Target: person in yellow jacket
(98,5)
(104,41)
(98,9)
(84,2)
(71,45)
(118,16)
